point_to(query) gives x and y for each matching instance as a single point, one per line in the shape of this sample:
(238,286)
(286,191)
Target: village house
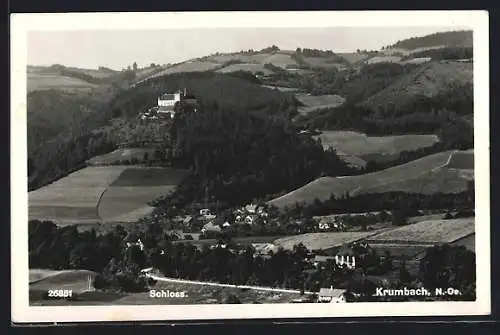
(347,261)
(331,295)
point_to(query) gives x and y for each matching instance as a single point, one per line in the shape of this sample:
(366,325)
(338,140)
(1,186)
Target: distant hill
(450,38)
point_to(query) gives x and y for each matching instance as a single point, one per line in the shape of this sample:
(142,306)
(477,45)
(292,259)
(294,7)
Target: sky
(120,48)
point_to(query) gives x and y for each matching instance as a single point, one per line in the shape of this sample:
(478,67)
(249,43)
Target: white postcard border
(22,23)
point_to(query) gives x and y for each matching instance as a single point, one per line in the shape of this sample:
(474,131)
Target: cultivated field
(432,231)
(318,241)
(254,68)
(419,176)
(101,193)
(119,155)
(47,81)
(315,102)
(358,144)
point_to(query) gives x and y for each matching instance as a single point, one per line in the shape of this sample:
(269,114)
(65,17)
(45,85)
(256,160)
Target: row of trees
(119,266)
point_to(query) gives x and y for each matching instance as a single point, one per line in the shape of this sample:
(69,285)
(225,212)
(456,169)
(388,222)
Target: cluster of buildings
(169,104)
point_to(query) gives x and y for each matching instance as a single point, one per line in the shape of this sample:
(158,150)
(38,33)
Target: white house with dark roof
(331,295)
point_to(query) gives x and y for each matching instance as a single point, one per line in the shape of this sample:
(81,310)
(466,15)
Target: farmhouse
(331,295)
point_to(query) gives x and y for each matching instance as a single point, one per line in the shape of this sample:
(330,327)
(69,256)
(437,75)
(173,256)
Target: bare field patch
(318,241)
(358,144)
(119,200)
(407,177)
(432,231)
(149,176)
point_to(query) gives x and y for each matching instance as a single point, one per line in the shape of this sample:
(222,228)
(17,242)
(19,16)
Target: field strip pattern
(431,231)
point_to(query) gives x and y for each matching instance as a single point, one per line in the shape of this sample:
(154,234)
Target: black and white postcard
(249,165)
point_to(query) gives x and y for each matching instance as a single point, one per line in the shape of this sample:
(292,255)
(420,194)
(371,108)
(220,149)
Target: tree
(446,266)
(399,217)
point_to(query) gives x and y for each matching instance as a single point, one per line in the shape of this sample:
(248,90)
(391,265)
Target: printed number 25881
(60,293)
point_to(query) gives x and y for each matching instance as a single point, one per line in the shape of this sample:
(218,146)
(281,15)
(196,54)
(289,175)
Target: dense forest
(238,156)
(118,266)
(451,53)
(449,38)
(409,203)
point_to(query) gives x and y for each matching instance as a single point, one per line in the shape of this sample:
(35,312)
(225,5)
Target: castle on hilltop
(169,104)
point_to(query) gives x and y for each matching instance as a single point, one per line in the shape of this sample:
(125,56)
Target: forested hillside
(451,38)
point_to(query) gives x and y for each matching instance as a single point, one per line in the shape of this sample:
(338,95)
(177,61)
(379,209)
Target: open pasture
(358,144)
(315,102)
(431,231)
(254,68)
(47,81)
(414,177)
